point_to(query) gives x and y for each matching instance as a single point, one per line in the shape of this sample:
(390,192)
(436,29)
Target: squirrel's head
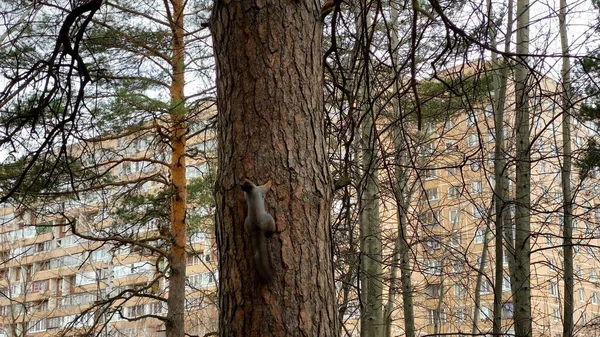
(250,188)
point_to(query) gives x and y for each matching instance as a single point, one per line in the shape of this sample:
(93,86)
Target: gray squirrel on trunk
(258,225)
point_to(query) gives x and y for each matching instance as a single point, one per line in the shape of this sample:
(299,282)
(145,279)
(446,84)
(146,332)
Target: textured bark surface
(522,273)
(371,289)
(501,196)
(568,306)
(270,126)
(176,300)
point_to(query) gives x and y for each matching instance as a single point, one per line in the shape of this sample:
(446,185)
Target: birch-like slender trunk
(371,282)
(566,176)
(522,273)
(501,196)
(401,253)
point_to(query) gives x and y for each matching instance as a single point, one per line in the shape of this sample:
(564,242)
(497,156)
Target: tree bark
(401,254)
(174,325)
(566,176)
(270,126)
(522,294)
(501,194)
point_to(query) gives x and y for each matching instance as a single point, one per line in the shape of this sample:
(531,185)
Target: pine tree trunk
(270,126)
(174,325)
(566,177)
(522,294)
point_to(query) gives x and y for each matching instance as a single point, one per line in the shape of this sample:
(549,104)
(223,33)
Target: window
(506,283)
(489,111)
(458,267)
(429,173)
(594,298)
(460,314)
(451,145)
(555,314)
(449,124)
(432,267)
(135,311)
(39,286)
(201,280)
(427,149)
(435,316)
(459,290)
(100,255)
(429,218)
(581,295)
(472,140)
(505,131)
(431,194)
(36,326)
(193,260)
(491,134)
(454,216)
(433,290)
(485,313)
(471,118)
(476,187)
(485,287)
(454,240)
(479,236)
(477,212)
(87,277)
(508,310)
(553,289)
(549,240)
(552,264)
(453,192)
(54,323)
(432,244)
(558,196)
(452,171)
(593,275)
(475,165)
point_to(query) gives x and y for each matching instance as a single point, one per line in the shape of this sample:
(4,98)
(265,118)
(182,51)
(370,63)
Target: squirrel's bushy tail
(261,259)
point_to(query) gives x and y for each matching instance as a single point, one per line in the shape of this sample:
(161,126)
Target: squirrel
(258,225)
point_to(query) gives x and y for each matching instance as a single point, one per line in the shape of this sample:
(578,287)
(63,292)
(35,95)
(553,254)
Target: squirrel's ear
(267,185)
(247,185)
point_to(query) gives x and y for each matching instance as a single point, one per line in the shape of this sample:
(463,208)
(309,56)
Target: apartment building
(451,224)
(55,282)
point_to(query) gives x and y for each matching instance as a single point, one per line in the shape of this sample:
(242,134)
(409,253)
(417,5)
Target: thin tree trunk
(401,252)
(371,282)
(522,273)
(479,280)
(501,196)
(566,176)
(270,126)
(174,325)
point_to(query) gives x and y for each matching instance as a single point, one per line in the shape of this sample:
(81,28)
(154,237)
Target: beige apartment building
(53,282)
(450,222)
